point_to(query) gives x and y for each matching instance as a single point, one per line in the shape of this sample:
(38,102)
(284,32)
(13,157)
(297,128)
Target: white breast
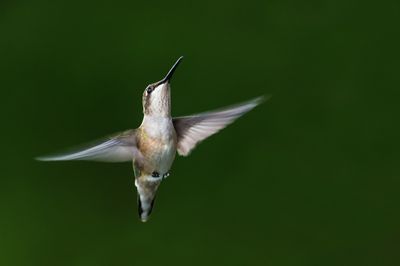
(158,127)
(162,133)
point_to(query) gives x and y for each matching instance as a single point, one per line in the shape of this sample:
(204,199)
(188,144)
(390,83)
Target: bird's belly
(160,157)
(164,158)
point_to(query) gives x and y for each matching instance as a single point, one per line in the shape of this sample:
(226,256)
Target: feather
(120,147)
(195,128)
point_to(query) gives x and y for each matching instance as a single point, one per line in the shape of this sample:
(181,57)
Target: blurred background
(311,177)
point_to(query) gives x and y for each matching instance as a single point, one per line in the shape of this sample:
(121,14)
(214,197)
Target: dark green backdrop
(311,177)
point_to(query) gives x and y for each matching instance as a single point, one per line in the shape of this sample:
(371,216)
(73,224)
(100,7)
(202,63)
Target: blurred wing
(118,148)
(195,128)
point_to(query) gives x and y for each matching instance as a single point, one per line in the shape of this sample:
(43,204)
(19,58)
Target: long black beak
(171,71)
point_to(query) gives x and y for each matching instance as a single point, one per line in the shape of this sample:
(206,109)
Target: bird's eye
(149,90)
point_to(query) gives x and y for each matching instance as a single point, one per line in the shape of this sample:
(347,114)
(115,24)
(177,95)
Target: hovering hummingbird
(152,146)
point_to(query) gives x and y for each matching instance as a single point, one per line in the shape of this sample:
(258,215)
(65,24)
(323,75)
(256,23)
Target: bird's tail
(146,195)
(145,206)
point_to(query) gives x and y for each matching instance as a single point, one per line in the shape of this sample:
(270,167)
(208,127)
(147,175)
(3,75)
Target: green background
(311,177)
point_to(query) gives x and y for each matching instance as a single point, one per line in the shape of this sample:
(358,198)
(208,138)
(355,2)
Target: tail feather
(146,190)
(145,207)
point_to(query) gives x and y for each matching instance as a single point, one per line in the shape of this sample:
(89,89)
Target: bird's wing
(195,128)
(120,147)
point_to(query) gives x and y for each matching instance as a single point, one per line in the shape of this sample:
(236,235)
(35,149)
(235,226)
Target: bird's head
(157,96)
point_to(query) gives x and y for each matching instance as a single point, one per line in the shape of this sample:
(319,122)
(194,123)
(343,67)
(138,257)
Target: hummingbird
(153,145)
